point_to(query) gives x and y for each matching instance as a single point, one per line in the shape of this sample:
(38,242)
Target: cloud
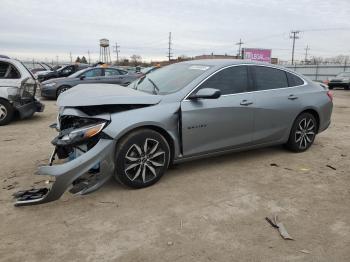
(33,28)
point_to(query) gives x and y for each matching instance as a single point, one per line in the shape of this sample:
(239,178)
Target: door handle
(246,102)
(292,97)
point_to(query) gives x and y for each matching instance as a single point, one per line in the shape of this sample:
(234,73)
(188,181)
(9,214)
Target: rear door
(276,104)
(216,124)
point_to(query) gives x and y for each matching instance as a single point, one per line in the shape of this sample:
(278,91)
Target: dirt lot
(207,210)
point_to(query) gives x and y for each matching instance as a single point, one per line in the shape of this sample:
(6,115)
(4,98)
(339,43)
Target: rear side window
(8,71)
(269,78)
(231,80)
(294,80)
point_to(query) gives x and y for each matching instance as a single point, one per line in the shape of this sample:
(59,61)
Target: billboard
(257,54)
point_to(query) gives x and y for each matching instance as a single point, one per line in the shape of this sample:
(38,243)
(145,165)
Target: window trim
(250,73)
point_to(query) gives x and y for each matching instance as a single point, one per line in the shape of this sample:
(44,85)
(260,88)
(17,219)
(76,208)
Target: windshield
(344,74)
(169,79)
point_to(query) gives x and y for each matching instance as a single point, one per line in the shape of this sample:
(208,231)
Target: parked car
(36,67)
(54,87)
(180,112)
(64,71)
(17,91)
(341,80)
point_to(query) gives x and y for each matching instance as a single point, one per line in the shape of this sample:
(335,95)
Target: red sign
(256,54)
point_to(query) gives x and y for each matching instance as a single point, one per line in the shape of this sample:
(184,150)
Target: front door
(210,125)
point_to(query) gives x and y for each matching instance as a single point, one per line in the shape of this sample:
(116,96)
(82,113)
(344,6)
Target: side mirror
(206,93)
(82,77)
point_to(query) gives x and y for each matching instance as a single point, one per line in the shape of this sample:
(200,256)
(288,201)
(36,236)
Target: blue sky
(46,29)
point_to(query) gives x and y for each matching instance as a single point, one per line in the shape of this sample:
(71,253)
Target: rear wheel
(62,89)
(142,157)
(303,133)
(6,112)
(347,87)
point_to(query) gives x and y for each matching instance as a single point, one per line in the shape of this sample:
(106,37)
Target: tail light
(330,95)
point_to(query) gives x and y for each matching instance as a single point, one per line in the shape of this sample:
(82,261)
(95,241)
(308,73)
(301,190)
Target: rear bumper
(28,109)
(65,174)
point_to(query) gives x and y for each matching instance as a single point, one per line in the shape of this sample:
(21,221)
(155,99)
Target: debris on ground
(331,167)
(274,164)
(170,243)
(304,169)
(305,251)
(281,228)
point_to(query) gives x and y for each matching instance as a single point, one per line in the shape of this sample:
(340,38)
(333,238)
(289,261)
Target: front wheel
(303,133)
(61,89)
(142,157)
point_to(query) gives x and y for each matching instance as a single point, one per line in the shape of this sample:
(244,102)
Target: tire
(62,89)
(330,87)
(347,87)
(6,112)
(303,133)
(136,169)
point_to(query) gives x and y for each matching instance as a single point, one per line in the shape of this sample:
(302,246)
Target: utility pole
(169,48)
(71,58)
(240,43)
(89,56)
(294,35)
(306,51)
(117,51)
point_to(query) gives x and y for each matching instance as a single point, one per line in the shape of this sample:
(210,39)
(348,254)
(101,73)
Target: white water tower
(105,54)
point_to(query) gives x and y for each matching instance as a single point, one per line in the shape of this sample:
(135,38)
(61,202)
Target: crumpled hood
(105,94)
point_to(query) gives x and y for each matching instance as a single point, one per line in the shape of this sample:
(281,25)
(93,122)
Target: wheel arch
(314,113)
(168,137)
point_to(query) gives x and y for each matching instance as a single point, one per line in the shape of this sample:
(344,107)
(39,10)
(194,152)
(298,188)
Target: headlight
(49,84)
(83,133)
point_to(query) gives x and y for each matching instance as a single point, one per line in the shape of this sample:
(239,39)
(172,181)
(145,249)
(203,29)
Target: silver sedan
(180,112)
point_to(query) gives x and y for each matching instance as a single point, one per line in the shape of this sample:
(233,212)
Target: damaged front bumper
(70,175)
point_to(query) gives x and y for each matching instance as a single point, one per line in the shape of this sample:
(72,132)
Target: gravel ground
(206,210)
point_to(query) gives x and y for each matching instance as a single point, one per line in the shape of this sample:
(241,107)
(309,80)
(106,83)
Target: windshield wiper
(156,89)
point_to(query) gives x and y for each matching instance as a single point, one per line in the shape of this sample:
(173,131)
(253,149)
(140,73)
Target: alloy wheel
(142,162)
(305,133)
(3,112)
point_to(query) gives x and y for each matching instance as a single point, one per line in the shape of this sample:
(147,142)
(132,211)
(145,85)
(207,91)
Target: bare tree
(135,59)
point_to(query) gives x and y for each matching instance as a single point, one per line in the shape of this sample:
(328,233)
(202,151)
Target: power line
(169,48)
(240,43)
(294,35)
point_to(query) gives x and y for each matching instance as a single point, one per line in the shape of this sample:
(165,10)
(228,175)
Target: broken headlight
(83,133)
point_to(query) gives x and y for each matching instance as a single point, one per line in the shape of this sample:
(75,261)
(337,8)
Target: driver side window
(93,73)
(230,80)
